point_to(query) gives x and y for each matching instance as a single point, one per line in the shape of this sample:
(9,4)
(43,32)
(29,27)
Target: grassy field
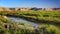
(36,16)
(48,20)
(11,27)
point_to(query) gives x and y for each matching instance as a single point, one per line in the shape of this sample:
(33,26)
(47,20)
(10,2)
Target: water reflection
(22,21)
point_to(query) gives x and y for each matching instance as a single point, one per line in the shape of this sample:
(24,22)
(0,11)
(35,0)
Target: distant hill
(25,9)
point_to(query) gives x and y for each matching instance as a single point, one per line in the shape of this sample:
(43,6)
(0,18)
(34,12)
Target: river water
(21,20)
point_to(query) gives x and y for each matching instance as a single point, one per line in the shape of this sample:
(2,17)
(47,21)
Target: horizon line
(29,7)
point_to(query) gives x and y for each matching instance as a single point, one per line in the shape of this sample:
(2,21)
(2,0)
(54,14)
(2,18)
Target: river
(21,21)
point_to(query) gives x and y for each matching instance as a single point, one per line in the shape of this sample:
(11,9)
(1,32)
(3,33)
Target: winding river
(21,20)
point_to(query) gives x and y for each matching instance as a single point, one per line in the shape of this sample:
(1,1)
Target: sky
(30,3)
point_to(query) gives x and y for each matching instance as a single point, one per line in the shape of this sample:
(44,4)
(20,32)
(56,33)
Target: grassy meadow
(49,22)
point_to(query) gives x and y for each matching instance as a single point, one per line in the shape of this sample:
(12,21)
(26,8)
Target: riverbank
(45,17)
(38,21)
(8,26)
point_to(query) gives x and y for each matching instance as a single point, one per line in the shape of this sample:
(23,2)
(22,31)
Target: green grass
(47,20)
(51,16)
(21,28)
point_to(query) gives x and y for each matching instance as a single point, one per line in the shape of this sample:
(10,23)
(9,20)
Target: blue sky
(30,3)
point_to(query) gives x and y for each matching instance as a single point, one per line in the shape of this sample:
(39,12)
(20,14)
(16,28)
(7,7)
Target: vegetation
(48,21)
(50,17)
